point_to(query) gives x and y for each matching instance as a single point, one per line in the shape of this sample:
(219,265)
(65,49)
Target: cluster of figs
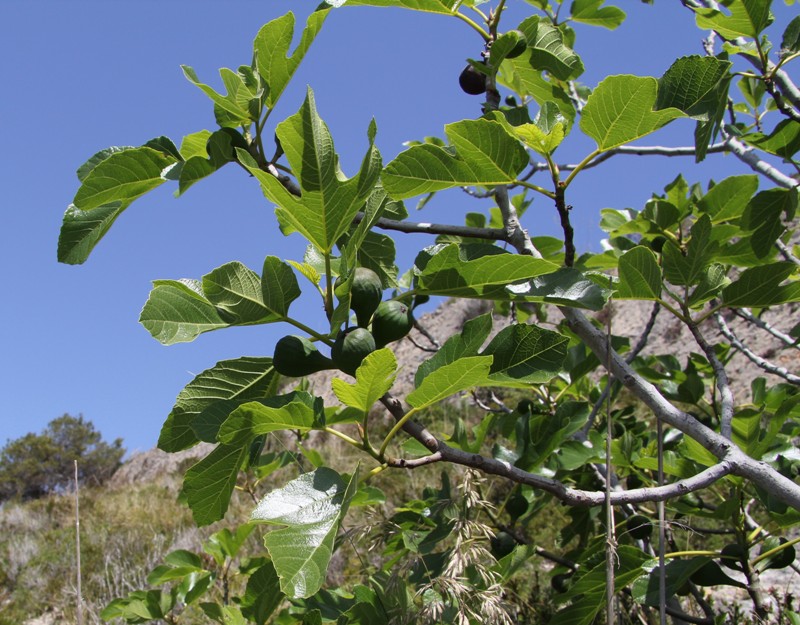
(378,323)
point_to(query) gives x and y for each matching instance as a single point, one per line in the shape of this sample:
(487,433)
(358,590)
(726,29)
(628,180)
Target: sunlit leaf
(481,152)
(309,509)
(621,110)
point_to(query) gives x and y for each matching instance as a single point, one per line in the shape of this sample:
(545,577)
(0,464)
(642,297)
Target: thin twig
(786,252)
(652,150)
(757,360)
(723,385)
(748,316)
(78,548)
(424,332)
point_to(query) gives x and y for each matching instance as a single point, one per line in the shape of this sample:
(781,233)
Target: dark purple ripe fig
(472,81)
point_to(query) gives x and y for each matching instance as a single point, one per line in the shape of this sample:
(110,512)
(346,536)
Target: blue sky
(80,76)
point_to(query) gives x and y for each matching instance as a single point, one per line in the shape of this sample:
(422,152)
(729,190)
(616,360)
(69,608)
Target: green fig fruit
(366,293)
(392,321)
(351,347)
(502,543)
(520,43)
(296,357)
(733,556)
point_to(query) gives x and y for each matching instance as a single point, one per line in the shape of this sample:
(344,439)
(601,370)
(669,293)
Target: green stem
(472,25)
(580,166)
(536,187)
(681,554)
(343,436)
(393,432)
(311,332)
(771,552)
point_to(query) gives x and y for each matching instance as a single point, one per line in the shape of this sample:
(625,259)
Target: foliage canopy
(599,424)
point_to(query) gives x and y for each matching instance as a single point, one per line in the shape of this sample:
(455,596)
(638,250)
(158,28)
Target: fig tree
(392,321)
(296,357)
(351,347)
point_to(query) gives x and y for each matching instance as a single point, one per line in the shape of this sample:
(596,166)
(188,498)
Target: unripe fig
(351,347)
(780,559)
(733,556)
(561,582)
(392,321)
(503,543)
(472,81)
(365,294)
(520,45)
(517,505)
(296,357)
(639,527)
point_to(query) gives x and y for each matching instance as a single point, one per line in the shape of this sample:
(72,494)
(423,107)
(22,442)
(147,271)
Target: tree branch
(760,473)
(749,317)
(764,364)
(653,150)
(514,233)
(747,155)
(723,385)
(441,452)
(410,227)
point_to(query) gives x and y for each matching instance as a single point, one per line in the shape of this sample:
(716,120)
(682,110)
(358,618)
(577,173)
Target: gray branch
(410,227)
(760,362)
(786,252)
(747,155)
(644,150)
(739,463)
(514,233)
(724,387)
(442,452)
(748,316)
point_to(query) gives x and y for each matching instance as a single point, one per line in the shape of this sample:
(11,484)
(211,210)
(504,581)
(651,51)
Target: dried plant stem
(78,549)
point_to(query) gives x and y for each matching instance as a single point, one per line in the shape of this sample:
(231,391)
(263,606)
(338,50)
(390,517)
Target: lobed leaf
(208,485)
(374,377)
(524,355)
(271,50)
(329,201)
(743,18)
(478,271)
(464,373)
